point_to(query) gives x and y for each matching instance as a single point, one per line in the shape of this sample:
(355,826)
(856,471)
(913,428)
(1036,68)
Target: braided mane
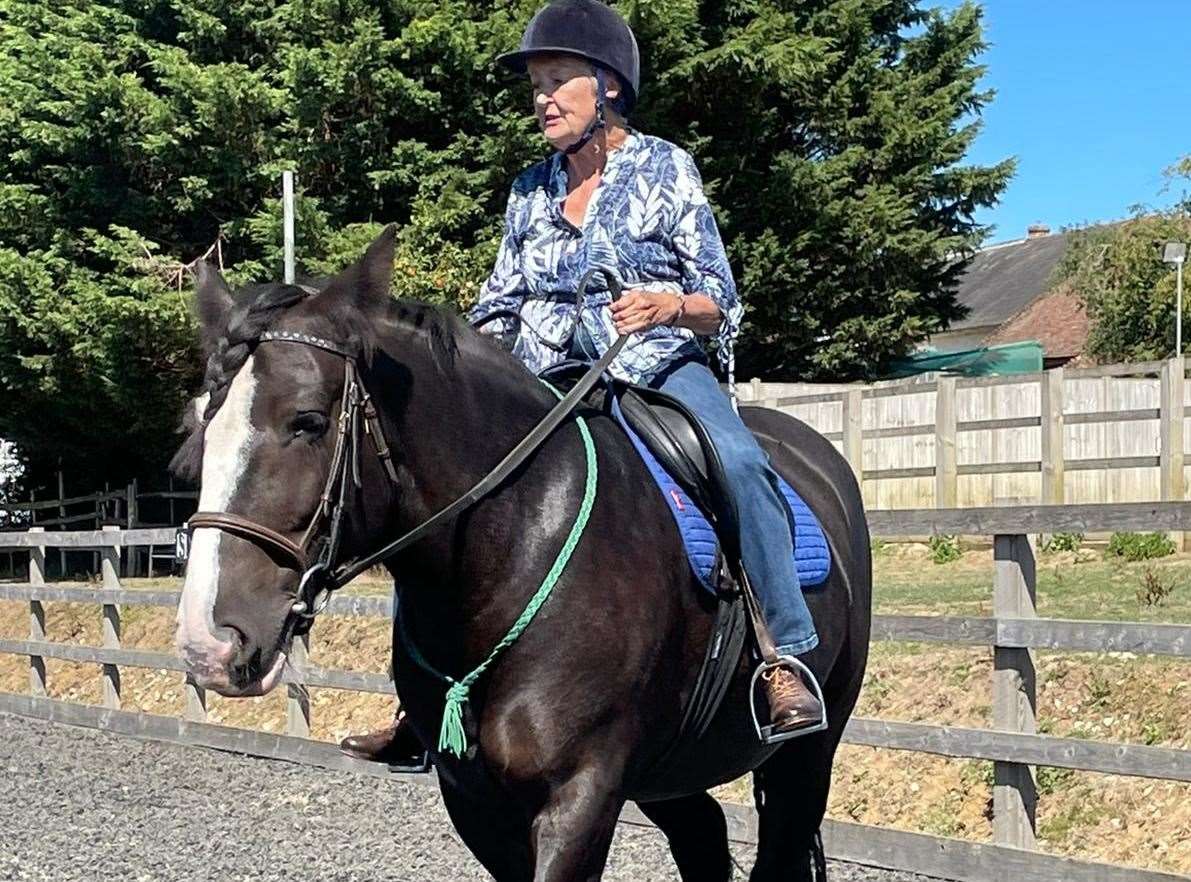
(255,312)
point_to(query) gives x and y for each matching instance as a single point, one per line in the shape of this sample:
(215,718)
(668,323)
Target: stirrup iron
(766,734)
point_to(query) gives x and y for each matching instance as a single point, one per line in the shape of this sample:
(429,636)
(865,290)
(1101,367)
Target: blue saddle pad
(812,557)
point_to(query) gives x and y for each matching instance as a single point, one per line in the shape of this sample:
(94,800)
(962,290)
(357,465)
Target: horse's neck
(449,422)
(453,405)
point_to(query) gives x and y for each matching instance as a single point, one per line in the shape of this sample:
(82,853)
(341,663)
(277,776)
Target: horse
(571,722)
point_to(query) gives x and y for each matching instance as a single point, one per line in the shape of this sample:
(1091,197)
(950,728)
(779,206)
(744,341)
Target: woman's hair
(620,103)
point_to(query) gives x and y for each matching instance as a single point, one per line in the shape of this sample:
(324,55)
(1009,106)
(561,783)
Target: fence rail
(1014,632)
(123,507)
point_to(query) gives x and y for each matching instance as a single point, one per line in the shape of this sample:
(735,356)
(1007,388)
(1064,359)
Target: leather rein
(315,556)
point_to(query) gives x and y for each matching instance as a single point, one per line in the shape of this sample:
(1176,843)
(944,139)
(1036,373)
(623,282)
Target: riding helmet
(590,29)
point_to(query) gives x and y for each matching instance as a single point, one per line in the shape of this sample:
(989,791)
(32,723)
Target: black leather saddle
(681,444)
(674,436)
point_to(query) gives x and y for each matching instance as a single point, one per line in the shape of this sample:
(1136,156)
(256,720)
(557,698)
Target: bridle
(314,555)
(319,581)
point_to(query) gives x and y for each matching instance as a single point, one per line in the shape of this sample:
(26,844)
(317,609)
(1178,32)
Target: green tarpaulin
(1012,358)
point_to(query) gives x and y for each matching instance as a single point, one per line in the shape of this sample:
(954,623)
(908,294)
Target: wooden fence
(1013,745)
(1098,435)
(124,507)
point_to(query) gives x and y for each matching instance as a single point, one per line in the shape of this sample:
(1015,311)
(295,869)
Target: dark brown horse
(572,720)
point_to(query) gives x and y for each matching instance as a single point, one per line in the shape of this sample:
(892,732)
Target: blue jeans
(765,541)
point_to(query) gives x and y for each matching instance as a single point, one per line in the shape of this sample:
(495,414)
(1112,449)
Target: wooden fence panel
(1114,421)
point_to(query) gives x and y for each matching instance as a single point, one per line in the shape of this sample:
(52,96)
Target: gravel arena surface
(77,804)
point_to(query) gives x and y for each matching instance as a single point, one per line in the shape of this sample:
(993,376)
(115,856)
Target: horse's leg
(495,834)
(791,790)
(698,836)
(791,793)
(573,831)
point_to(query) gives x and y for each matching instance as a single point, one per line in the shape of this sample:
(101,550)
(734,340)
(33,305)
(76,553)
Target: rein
(319,581)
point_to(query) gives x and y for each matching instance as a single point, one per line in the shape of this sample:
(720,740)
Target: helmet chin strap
(600,121)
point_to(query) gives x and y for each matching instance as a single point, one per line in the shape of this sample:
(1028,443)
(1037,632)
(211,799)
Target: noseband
(313,556)
(318,580)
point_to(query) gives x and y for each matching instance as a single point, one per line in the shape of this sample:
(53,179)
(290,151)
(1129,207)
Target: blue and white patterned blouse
(648,219)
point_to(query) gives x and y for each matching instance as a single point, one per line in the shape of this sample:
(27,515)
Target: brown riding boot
(396,744)
(792,705)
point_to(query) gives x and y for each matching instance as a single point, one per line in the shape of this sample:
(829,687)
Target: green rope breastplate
(452,737)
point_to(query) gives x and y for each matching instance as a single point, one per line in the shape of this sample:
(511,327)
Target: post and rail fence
(123,507)
(1014,632)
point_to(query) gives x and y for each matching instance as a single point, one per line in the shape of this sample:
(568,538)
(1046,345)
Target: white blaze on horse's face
(227,449)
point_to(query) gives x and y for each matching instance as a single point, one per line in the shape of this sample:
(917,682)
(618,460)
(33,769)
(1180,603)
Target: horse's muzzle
(220,662)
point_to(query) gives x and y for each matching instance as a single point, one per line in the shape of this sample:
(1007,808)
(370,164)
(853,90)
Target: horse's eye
(310,424)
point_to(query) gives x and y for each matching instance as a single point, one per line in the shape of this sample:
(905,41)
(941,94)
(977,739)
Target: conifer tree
(139,134)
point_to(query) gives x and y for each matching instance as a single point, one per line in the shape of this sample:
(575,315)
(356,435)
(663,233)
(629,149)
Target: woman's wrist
(676,322)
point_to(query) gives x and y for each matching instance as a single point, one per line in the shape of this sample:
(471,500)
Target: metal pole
(287,208)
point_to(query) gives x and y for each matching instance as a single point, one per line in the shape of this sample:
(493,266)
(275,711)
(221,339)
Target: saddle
(683,449)
(683,461)
(685,466)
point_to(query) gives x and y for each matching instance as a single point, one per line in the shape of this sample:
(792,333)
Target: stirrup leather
(766,734)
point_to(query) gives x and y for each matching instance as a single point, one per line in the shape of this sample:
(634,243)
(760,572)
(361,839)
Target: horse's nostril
(230,635)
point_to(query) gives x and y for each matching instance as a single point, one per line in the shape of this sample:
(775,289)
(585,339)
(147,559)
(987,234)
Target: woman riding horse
(612,196)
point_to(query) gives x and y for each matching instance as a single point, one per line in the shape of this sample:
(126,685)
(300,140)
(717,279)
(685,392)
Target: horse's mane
(259,307)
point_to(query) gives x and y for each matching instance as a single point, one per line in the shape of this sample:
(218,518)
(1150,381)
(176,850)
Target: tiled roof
(1002,280)
(1057,320)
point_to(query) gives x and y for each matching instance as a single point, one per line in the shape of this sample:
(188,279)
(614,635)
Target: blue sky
(1094,100)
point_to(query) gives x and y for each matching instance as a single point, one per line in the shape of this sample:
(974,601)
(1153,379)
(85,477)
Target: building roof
(1057,320)
(1002,280)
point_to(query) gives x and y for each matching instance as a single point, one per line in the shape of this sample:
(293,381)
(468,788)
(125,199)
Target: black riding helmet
(592,30)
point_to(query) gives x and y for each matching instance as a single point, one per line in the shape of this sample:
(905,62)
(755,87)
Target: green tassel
(452,738)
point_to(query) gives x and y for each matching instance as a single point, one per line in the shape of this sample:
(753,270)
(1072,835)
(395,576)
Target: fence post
(297,712)
(96,565)
(62,516)
(196,701)
(946,470)
(37,677)
(755,389)
(1171,483)
(853,428)
(111,617)
(131,513)
(1053,464)
(1015,794)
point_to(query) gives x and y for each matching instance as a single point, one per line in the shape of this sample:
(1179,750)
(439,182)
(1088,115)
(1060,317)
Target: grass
(1081,585)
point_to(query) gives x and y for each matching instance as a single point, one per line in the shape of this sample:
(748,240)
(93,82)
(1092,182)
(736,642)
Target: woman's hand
(641,310)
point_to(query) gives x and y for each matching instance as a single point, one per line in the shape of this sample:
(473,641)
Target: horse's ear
(376,268)
(213,300)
